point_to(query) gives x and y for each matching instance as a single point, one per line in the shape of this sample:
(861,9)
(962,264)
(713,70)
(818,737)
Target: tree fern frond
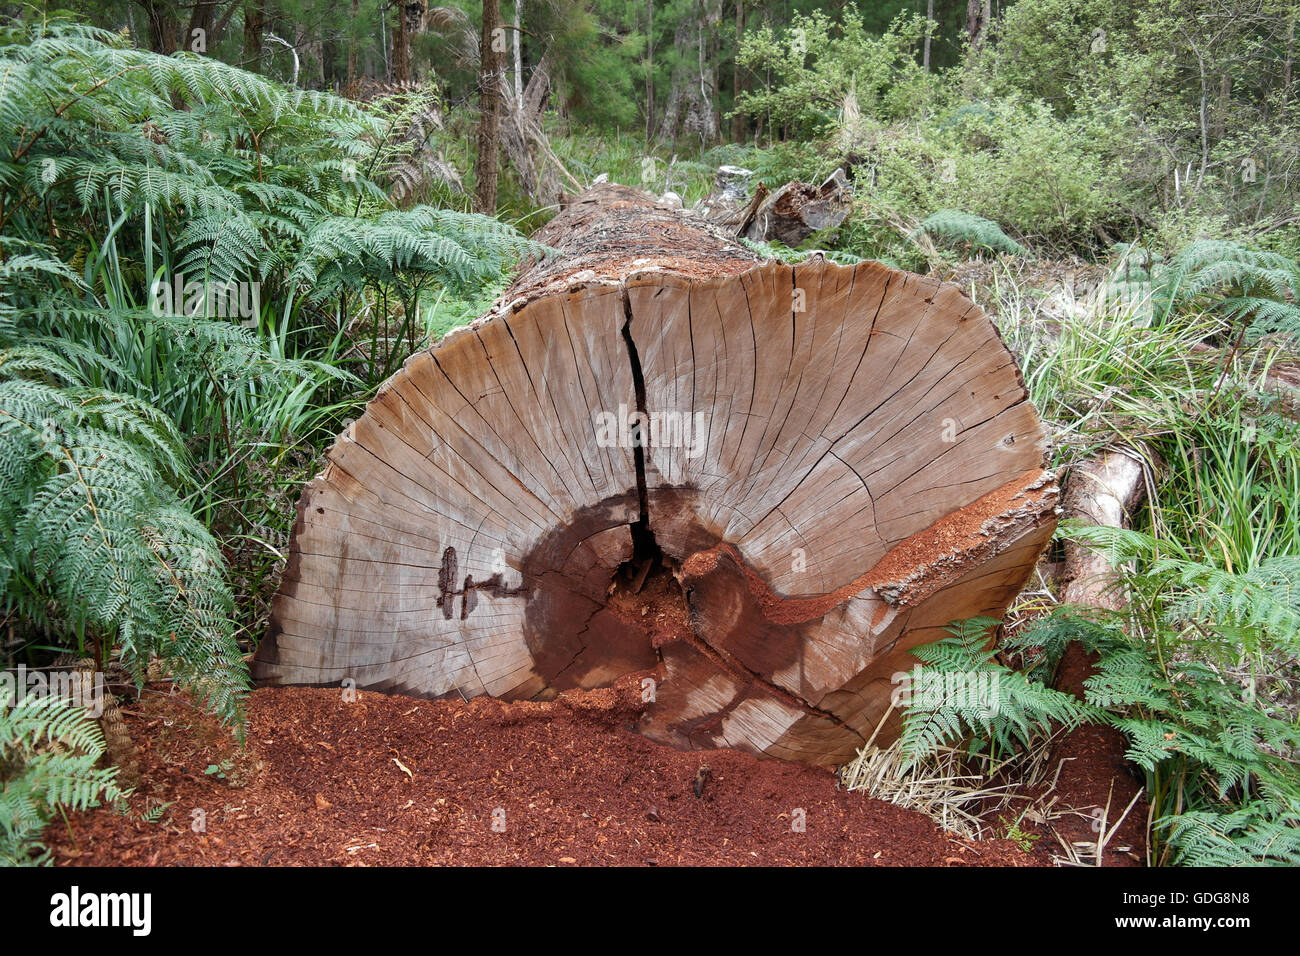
(957,226)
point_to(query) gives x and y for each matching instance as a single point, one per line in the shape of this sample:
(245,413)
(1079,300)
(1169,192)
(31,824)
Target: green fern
(120,168)
(48,752)
(93,537)
(1006,711)
(774,250)
(956,226)
(1257,289)
(1243,837)
(1174,674)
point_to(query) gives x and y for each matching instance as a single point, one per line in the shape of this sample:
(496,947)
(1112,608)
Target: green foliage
(1045,47)
(976,232)
(94,537)
(450,311)
(1179,678)
(247,182)
(1246,286)
(134,423)
(1177,675)
(816,64)
(1231,498)
(461,250)
(1006,160)
(1022,839)
(48,751)
(1249,836)
(773,250)
(983,702)
(1189,104)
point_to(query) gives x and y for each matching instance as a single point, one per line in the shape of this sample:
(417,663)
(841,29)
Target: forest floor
(391,780)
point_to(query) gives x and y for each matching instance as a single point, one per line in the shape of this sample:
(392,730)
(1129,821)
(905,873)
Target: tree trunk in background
(690,99)
(491,64)
(254,23)
(737,121)
(929,19)
(1289,60)
(1224,105)
(164,26)
(978,15)
(353,41)
(203,17)
(401,46)
(328,70)
(578,490)
(519,56)
(650,70)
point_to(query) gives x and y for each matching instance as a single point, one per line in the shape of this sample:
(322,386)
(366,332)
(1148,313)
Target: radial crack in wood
(756,486)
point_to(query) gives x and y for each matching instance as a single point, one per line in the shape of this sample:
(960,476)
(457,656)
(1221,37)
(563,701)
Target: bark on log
(834,463)
(1103,491)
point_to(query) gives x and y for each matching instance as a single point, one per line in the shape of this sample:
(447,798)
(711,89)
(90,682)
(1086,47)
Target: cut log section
(753,486)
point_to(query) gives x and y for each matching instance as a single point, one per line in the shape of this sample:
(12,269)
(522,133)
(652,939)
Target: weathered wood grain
(834,464)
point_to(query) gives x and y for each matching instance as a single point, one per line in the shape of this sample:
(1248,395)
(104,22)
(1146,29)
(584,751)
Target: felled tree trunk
(752,486)
(1104,491)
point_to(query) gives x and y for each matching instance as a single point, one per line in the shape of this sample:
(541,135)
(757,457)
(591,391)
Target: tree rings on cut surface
(756,485)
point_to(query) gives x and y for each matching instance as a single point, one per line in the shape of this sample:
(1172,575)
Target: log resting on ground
(749,487)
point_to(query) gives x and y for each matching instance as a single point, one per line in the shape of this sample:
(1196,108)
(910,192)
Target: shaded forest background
(1077,123)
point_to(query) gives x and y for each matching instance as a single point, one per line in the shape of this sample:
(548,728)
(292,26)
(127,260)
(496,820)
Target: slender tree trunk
(164,26)
(205,27)
(690,99)
(737,121)
(491,53)
(353,39)
(929,20)
(254,22)
(1288,62)
(650,70)
(329,73)
(401,47)
(978,15)
(1224,105)
(519,57)
(383,44)
(715,71)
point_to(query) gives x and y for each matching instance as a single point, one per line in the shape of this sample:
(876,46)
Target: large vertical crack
(644,547)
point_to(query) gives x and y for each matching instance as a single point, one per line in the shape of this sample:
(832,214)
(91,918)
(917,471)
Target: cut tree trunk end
(752,487)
